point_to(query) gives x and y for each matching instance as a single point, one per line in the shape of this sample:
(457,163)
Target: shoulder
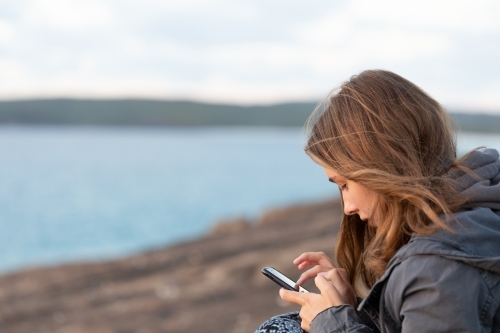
(430,271)
(438,263)
(430,283)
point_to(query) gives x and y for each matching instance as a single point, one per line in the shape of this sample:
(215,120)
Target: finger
(303,265)
(334,276)
(344,275)
(311,273)
(300,259)
(305,324)
(324,285)
(292,296)
(310,256)
(318,258)
(344,288)
(328,290)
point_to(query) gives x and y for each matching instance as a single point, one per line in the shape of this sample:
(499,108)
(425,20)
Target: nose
(349,207)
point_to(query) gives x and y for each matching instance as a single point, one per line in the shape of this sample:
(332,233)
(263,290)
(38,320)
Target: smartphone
(282,279)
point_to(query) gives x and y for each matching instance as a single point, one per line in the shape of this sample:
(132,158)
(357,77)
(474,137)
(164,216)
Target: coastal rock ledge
(211,284)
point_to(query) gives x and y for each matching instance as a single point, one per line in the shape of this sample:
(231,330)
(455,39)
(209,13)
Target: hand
(339,279)
(319,261)
(312,304)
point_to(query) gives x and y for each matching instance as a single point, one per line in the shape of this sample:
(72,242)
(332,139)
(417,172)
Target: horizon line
(465,110)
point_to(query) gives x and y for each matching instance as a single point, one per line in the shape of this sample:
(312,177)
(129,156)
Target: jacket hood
(475,239)
(483,188)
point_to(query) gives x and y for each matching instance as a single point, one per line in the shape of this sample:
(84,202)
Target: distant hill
(150,113)
(137,112)
(477,122)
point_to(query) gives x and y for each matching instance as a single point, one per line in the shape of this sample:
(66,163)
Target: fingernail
(323,274)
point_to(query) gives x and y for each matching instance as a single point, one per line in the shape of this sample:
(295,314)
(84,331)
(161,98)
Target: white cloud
(220,8)
(236,50)
(222,88)
(72,15)
(452,15)
(11,68)
(7,32)
(484,99)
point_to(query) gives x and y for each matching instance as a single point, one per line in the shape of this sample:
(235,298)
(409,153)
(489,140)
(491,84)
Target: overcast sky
(248,52)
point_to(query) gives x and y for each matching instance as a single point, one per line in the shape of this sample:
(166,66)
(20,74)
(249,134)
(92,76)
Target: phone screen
(281,279)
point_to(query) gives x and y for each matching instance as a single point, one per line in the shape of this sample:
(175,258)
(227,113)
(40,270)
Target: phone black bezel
(280,282)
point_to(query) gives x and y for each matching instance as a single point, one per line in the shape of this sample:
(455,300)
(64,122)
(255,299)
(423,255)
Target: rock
(230,226)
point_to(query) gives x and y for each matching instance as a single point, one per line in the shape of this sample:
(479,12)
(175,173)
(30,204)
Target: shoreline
(212,283)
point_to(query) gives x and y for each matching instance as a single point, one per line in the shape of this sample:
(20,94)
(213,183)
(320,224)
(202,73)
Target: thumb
(292,296)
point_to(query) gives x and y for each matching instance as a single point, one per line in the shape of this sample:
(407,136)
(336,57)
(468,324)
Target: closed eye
(341,186)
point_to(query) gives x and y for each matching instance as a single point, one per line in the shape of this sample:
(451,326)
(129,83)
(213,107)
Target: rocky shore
(211,284)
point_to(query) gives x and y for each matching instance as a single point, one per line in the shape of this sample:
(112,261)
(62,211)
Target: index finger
(310,273)
(313,258)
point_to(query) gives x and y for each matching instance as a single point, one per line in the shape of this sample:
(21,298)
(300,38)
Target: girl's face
(357,198)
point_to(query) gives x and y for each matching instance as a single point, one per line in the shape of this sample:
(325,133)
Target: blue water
(73,194)
(83,194)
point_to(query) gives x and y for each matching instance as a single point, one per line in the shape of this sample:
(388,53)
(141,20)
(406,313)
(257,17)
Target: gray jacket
(445,282)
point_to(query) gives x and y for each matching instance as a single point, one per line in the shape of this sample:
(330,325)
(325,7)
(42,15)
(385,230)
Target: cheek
(372,206)
(369,201)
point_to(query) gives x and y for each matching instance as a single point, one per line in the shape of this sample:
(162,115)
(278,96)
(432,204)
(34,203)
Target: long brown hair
(385,133)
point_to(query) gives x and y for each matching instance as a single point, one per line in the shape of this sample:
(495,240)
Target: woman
(420,230)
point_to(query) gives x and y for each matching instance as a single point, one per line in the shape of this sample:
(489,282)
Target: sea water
(71,194)
(77,194)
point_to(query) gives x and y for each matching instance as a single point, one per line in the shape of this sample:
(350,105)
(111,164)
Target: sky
(247,51)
